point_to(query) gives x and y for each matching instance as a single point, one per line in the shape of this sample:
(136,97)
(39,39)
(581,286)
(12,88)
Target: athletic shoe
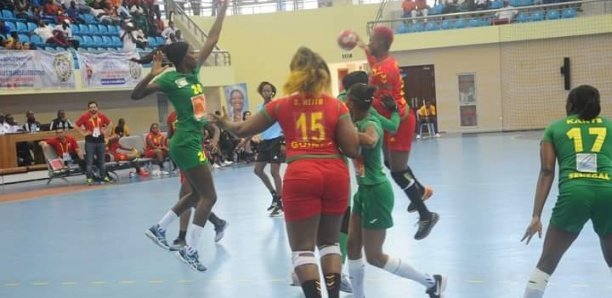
(437,291)
(177,244)
(89,181)
(220,230)
(276,212)
(427,193)
(425,226)
(216,166)
(275,200)
(418,136)
(437,135)
(108,179)
(158,236)
(227,163)
(190,259)
(345,284)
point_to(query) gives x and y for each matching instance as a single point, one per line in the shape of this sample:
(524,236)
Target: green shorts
(577,204)
(374,203)
(186,150)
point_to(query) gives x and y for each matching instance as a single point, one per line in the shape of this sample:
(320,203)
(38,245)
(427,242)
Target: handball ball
(347,40)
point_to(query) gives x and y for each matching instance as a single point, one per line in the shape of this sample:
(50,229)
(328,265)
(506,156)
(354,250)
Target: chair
(36,40)
(113,30)
(102,29)
(401,29)
(83,29)
(553,15)
(97,41)
(8,15)
(160,40)
(107,42)
(568,13)
(431,26)
(116,42)
(21,27)
(56,166)
(152,41)
(23,38)
(537,16)
(427,125)
(523,17)
(93,29)
(87,41)
(11,26)
(32,26)
(446,24)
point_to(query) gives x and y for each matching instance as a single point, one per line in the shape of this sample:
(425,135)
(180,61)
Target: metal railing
(478,18)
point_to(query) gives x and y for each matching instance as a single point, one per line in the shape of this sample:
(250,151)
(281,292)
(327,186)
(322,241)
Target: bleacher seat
(107,42)
(23,38)
(160,40)
(102,29)
(21,27)
(473,23)
(89,18)
(437,9)
(537,16)
(97,41)
(83,29)
(11,26)
(446,24)
(8,15)
(32,26)
(116,42)
(87,41)
(152,41)
(515,3)
(552,14)
(93,29)
(522,17)
(418,27)
(568,13)
(79,39)
(459,23)
(35,39)
(432,26)
(401,29)
(113,30)
(497,4)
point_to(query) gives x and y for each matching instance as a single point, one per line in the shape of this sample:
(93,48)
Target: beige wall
(483,61)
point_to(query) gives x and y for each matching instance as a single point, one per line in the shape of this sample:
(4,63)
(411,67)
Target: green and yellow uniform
(585,167)
(374,198)
(186,94)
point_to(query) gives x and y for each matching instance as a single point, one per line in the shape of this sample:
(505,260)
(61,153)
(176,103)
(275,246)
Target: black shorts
(269,151)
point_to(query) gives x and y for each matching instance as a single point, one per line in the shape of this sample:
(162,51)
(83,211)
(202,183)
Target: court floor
(91,243)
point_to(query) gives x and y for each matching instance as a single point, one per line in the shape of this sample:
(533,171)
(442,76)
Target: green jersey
(368,165)
(186,94)
(583,152)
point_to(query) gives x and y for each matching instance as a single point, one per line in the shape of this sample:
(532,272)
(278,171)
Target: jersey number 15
(311,126)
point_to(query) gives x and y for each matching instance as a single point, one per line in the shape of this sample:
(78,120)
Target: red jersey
(309,124)
(94,123)
(69,145)
(385,76)
(155,139)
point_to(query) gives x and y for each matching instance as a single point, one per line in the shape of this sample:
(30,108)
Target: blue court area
(92,244)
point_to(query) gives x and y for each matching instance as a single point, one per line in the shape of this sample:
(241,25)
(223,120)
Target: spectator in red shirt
(156,146)
(94,125)
(66,147)
(121,153)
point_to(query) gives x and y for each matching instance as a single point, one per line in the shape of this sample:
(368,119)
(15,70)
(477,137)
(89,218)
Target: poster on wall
(467,100)
(36,69)
(236,100)
(109,70)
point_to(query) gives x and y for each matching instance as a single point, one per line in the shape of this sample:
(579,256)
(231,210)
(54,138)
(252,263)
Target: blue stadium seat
(432,26)
(552,14)
(76,30)
(401,29)
(446,24)
(21,27)
(160,40)
(83,29)
(35,39)
(113,30)
(32,26)
(418,27)
(8,15)
(460,23)
(107,42)
(11,26)
(102,29)
(93,29)
(473,23)
(97,41)
(437,9)
(87,41)
(537,16)
(79,39)
(568,13)
(89,18)
(117,43)
(497,4)
(152,41)
(523,17)
(515,3)
(23,38)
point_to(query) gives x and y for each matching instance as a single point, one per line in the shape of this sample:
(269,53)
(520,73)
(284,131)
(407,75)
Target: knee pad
(330,249)
(303,257)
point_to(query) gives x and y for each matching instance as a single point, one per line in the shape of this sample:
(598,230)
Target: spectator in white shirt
(4,127)
(48,36)
(12,125)
(169,31)
(506,14)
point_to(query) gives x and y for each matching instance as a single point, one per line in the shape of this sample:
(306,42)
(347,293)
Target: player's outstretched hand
(534,227)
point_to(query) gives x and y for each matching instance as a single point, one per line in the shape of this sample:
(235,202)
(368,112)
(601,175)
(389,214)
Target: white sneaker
(165,173)
(227,163)
(437,135)
(216,166)
(345,284)
(418,136)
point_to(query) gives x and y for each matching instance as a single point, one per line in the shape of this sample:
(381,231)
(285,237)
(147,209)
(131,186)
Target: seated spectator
(156,146)
(11,41)
(67,148)
(61,122)
(31,124)
(132,38)
(124,10)
(4,127)
(139,15)
(121,129)
(415,8)
(12,125)
(427,114)
(73,13)
(50,36)
(6,4)
(65,29)
(451,6)
(22,10)
(121,153)
(482,4)
(51,8)
(505,15)
(168,31)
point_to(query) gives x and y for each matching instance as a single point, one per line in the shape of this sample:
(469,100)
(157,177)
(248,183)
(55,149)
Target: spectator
(66,31)
(31,124)
(427,114)
(22,10)
(121,129)
(128,36)
(139,16)
(120,153)
(6,4)
(169,31)
(505,15)
(12,125)
(94,125)
(51,8)
(48,36)
(61,122)
(73,12)
(4,127)
(451,6)
(156,146)
(66,147)
(482,4)
(11,41)
(415,8)
(124,10)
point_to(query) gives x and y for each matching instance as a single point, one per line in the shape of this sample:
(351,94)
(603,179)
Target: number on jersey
(587,162)
(311,126)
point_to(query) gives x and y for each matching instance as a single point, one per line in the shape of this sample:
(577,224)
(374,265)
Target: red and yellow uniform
(158,140)
(69,145)
(317,180)
(385,76)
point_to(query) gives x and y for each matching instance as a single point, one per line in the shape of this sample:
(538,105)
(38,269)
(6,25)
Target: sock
(399,268)
(343,240)
(167,219)
(413,189)
(536,284)
(194,237)
(312,289)
(332,282)
(356,274)
(214,219)
(182,235)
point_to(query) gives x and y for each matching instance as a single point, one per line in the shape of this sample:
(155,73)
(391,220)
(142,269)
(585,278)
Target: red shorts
(152,153)
(120,156)
(402,139)
(315,187)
